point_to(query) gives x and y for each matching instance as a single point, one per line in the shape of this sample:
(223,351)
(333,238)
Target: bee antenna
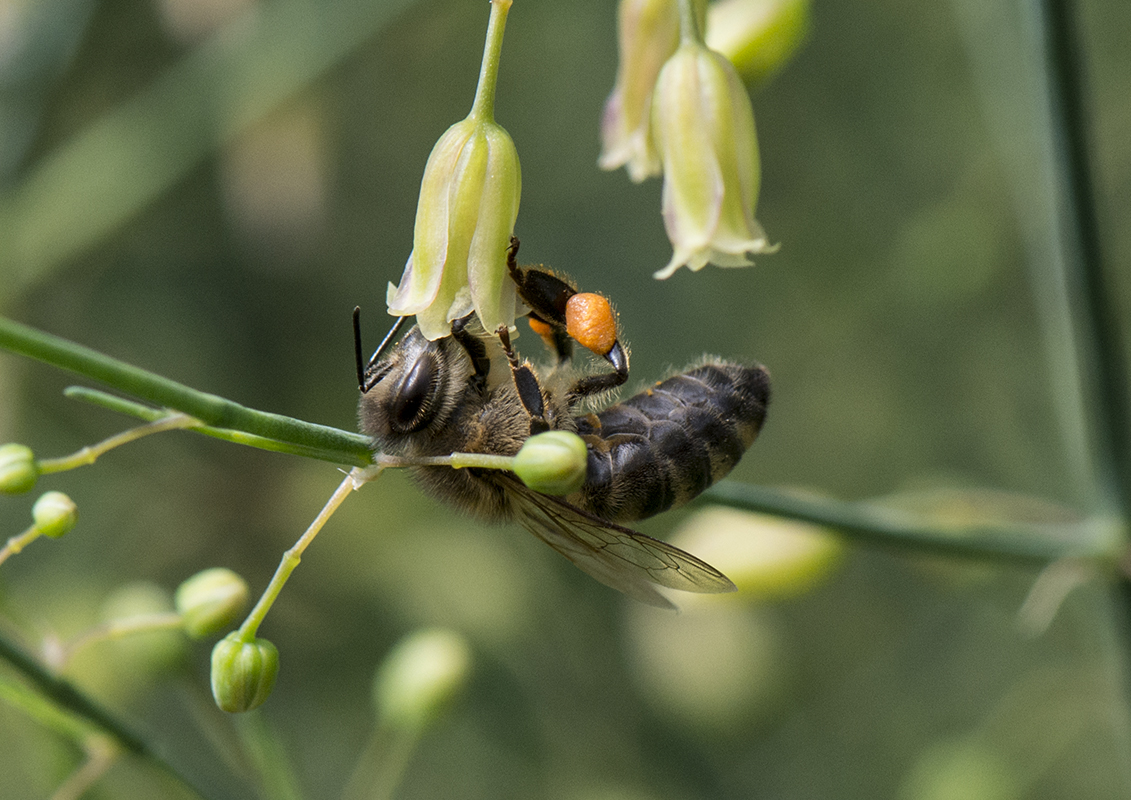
(357,348)
(362,367)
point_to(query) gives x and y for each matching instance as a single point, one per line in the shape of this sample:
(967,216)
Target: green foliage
(211,208)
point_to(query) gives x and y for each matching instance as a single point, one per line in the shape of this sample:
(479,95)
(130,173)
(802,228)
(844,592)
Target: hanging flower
(703,126)
(465,216)
(648,33)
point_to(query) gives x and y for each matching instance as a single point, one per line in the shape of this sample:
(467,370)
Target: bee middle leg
(526,384)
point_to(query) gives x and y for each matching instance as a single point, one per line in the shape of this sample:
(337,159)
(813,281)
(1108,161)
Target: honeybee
(652,452)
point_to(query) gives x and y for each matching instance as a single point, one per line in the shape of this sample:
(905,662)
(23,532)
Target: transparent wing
(624,559)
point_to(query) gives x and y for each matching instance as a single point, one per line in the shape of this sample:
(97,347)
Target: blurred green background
(206,189)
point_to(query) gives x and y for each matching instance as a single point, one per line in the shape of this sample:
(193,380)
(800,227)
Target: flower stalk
(465,216)
(353,481)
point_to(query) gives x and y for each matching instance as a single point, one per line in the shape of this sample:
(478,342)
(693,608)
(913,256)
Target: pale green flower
(464,220)
(54,514)
(465,216)
(554,462)
(703,124)
(210,601)
(647,35)
(243,672)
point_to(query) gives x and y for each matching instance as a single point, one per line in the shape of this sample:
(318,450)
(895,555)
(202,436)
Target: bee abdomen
(662,447)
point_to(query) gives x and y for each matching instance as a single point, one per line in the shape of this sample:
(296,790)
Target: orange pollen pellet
(540,327)
(590,321)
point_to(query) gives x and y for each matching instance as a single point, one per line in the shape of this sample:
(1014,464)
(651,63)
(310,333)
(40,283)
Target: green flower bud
(134,600)
(553,462)
(18,472)
(137,616)
(964,767)
(54,514)
(243,673)
(703,124)
(210,601)
(768,558)
(420,677)
(757,36)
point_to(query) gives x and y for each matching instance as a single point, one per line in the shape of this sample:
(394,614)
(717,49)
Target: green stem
(292,557)
(117,629)
(484,105)
(101,753)
(455,461)
(265,750)
(1093,302)
(1093,307)
(122,406)
(65,695)
(691,19)
(1093,539)
(18,542)
(210,409)
(88,455)
(45,712)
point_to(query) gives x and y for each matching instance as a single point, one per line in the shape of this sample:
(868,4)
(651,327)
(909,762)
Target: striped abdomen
(664,446)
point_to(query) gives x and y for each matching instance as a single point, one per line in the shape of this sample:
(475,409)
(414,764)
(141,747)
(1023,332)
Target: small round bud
(591,322)
(420,677)
(210,601)
(243,673)
(766,557)
(758,38)
(54,514)
(963,767)
(137,617)
(18,472)
(553,462)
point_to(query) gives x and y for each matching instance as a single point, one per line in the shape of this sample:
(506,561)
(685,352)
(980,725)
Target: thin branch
(150,414)
(1093,538)
(212,410)
(1093,305)
(67,696)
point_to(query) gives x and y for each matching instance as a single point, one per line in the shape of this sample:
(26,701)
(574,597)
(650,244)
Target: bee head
(409,392)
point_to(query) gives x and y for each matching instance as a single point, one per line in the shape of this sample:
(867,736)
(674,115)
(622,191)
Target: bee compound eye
(412,407)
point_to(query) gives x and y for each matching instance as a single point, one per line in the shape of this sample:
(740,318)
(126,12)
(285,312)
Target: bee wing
(619,557)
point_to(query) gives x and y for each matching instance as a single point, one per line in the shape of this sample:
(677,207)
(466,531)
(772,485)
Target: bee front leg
(476,352)
(526,383)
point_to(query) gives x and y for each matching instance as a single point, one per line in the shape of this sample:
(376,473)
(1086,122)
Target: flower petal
(648,33)
(704,125)
(492,290)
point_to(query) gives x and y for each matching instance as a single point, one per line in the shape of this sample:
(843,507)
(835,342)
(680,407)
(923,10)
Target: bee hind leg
(561,315)
(595,384)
